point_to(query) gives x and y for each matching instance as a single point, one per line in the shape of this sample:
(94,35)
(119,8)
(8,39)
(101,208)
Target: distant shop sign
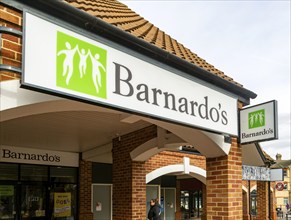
(89,68)
(36,156)
(261,173)
(259,123)
(256,173)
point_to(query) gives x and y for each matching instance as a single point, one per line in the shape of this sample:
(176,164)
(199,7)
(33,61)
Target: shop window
(254,202)
(63,201)
(38,192)
(63,174)
(63,194)
(33,173)
(33,201)
(8,171)
(7,201)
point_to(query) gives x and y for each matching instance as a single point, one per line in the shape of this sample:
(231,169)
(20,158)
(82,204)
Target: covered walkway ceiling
(52,123)
(35,120)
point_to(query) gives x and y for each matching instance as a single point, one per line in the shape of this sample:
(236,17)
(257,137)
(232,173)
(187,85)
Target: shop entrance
(168,202)
(33,201)
(102,201)
(34,192)
(167,197)
(191,199)
(191,204)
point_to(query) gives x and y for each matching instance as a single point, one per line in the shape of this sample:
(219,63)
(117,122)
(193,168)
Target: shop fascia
(100,72)
(35,156)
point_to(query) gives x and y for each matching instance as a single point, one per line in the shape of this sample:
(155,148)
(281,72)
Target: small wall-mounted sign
(259,123)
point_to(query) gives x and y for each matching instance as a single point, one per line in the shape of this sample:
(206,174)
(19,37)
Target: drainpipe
(270,204)
(269,193)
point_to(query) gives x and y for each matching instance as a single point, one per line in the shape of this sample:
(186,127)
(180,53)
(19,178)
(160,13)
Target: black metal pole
(250,201)
(269,198)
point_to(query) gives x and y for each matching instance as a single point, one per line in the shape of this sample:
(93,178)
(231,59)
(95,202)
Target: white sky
(247,40)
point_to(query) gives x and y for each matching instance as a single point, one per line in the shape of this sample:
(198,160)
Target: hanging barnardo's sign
(259,123)
(35,156)
(64,62)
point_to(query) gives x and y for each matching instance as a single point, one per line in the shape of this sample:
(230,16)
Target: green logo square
(256,119)
(80,66)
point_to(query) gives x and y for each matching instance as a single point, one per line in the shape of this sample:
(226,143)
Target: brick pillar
(138,191)
(85,180)
(246,215)
(10,46)
(204,202)
(262,200)
(274,212)
(129,183)
(178,214)
(224,185)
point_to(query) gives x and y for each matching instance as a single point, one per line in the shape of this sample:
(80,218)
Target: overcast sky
(247,40)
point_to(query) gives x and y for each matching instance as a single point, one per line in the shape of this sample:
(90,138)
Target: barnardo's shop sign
(63,62)
(259,123)
(35,156)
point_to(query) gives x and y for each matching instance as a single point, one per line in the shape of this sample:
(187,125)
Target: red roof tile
(118,14)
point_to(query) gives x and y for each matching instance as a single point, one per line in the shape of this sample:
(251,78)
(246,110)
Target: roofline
(70,14)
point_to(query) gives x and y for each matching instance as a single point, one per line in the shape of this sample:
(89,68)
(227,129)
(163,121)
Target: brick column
(178,214)
(224,185)
(204,201)
(85,180)
(262,200)
(129,183)
(274,212)
(246,215)
(10,46)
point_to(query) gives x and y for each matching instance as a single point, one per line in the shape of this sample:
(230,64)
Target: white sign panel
(36,156)
(277,175)
(256,173)
(64,62)
(259,123)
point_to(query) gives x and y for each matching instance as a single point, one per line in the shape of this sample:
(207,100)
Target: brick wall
(170,157)
(178,214)
(223,195)
(204,197)
(224,185)
(10,53)
(129,184)
(262,198)
(85,182)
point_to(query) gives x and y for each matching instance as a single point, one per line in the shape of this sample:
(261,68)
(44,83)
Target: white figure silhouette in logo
(251,119)
(83,62)
(256,118)
(261,117)
(68,64)
(96,75)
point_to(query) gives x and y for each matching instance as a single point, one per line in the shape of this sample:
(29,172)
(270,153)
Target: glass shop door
(33,201)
